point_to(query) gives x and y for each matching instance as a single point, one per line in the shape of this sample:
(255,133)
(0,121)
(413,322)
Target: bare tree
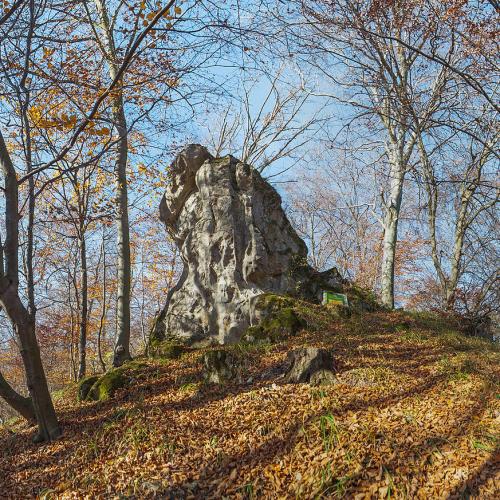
(280,127)
(332,208)
(468,190)
(359,51)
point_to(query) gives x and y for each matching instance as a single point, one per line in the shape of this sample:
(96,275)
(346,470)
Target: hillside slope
(414,414)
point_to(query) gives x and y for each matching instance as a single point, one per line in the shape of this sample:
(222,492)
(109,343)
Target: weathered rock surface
(273,318)
(85,385)
(236,243)
(219,366)
(307,362)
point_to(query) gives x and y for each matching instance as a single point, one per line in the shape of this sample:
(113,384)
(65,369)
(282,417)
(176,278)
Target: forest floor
(415,414)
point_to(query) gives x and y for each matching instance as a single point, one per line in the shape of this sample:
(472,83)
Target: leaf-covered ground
(415,414)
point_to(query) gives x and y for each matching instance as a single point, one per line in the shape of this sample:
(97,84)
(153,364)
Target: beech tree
(468,190)
(19,33)
(109,53)
(360,50)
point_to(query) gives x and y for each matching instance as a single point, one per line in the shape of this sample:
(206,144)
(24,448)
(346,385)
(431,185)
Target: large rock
(84,386)
(310,364)
(219,366)
(236,243)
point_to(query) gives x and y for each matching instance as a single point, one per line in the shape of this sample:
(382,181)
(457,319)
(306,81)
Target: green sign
(335,298)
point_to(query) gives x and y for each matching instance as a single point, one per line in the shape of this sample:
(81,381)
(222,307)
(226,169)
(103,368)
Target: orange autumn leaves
(411,417)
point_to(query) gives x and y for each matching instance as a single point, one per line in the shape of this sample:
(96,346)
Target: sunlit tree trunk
(82,343)
(21,404)
(102,322)
(390,225)
(122,346)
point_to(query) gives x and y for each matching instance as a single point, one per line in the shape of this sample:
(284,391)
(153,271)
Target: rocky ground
(413,413)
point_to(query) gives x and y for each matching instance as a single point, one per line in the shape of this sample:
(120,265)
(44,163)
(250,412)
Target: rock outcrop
(219,366)
(236,243)
(310,364)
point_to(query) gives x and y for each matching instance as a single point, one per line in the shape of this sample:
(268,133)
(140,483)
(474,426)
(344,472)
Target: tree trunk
(82,344)
(102,322)
(390,223)
(22,321)
(122,346)
(458,246)
(431,188)
(22,405)
(35,376)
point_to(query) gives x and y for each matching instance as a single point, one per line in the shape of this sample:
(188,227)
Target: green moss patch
(84,386)
(106,386)
(166,349)
(281,319)
(273,303)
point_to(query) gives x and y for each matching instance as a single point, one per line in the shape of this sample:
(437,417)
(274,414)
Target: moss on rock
(361,300)
(84,386)
(106,385)
(166,349)
(272,303)
(280,319)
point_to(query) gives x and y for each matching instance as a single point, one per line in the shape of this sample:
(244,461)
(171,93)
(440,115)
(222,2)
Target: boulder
(306,362)
(236,243)
(165,349)
(219,366)
(84,386)
(106,385)
(274,318)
